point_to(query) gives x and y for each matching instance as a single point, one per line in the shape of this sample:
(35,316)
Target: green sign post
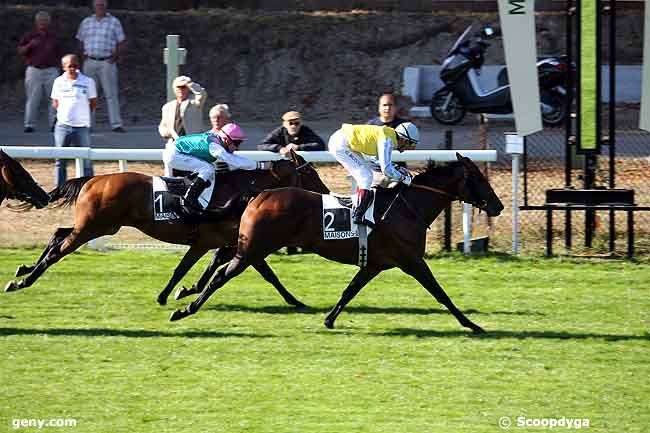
(589,77)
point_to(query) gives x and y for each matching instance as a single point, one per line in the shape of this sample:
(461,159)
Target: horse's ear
(459,156)
(294,157)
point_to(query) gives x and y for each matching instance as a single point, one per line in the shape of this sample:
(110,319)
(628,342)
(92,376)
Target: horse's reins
(410,208)
(432,189)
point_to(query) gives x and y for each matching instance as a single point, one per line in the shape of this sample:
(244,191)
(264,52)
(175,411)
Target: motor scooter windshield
(466,35)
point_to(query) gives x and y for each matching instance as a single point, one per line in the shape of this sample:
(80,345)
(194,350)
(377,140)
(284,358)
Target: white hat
(408,131)
(182,81)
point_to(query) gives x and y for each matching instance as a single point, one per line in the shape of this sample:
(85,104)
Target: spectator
(219,117)
(292,135)
(184,115)
(42,53)
(74,95)
(387,111)
(102,41)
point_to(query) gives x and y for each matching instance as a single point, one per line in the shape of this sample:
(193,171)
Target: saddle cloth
(167,196)
(337,217)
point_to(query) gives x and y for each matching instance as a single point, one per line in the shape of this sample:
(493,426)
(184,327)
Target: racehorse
(17,183)
(104,204)
(290,216)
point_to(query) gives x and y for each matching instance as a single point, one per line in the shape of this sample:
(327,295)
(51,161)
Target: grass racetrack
(88,342)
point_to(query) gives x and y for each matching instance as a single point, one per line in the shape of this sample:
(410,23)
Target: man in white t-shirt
(74,95)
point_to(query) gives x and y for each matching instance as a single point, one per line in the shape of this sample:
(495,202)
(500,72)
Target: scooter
(462,92)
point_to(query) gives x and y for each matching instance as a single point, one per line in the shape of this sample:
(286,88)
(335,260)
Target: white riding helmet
(409,132)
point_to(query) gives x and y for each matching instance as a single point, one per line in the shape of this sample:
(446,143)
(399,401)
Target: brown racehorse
(290,216)
(17,183)
(104,204)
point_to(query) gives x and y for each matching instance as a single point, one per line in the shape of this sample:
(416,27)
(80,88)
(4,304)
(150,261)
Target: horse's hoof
(177,315)
(183,292)
(11,286)
(329,324)
(478,330)
(301,307)
(22,270)
(162,300)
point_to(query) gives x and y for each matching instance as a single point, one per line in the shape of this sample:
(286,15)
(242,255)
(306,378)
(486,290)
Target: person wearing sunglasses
(293,134)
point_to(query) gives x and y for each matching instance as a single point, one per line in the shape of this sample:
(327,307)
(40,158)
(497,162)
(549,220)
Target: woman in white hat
(184,115)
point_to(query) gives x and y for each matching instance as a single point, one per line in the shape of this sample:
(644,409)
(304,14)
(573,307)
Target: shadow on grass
(287,309)
(129,333)
(521,335)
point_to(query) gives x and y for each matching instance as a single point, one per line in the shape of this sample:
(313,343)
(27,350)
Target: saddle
(167,202)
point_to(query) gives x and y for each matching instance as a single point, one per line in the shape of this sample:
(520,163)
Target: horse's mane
(434,170)
(236,174)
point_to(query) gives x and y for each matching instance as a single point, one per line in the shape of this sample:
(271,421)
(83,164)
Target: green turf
(88,342)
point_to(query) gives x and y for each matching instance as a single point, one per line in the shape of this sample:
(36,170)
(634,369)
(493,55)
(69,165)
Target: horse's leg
(265,270)
(421,272)
(220,256)
(56,238)
(68,245)
(189,259)
(358,282)
(225,274)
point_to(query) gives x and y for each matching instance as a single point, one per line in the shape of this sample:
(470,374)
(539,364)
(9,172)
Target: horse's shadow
(359,309)
(128,333)
(520,335)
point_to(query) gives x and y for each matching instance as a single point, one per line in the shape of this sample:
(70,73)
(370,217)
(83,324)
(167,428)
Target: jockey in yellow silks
(356,146)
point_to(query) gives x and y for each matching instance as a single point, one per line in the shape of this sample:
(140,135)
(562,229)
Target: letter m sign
(517,7)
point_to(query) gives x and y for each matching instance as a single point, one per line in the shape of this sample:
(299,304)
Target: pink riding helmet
(233,132)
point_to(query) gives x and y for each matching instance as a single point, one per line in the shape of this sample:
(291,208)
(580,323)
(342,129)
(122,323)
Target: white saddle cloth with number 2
(337,218)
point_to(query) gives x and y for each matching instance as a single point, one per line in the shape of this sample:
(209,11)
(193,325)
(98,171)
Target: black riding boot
(191,198)
(364,197)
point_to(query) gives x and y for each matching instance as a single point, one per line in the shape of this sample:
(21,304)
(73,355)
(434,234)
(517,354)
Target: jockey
(356,146)
(197,152)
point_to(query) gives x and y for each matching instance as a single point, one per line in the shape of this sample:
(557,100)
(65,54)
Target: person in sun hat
(183,115)
(293,134)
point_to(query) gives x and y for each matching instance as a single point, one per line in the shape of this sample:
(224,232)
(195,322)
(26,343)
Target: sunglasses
(294,122)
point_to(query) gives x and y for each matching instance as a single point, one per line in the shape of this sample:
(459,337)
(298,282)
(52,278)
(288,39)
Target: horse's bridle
(298,170)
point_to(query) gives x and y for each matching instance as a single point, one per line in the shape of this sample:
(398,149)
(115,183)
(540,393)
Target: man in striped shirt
(102,40)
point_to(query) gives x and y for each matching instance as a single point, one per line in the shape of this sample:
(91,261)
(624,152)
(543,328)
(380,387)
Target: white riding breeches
(185,162)
(354,162)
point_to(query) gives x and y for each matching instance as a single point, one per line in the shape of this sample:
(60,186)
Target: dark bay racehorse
(104,204)
(289,216)
(17,183)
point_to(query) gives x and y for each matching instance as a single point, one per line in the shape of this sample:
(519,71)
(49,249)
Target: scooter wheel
(446,110)
(556,116)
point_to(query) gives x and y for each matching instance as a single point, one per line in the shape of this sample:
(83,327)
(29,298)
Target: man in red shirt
(42,53)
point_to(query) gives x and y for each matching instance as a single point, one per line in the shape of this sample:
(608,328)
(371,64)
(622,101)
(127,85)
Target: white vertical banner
(518,28)
(644,119)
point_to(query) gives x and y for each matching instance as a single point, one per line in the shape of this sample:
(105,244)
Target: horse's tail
(66,195)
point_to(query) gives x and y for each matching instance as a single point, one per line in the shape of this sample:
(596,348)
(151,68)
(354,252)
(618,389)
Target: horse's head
(475,189)
(298,172)
(17,183)
(462,180)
